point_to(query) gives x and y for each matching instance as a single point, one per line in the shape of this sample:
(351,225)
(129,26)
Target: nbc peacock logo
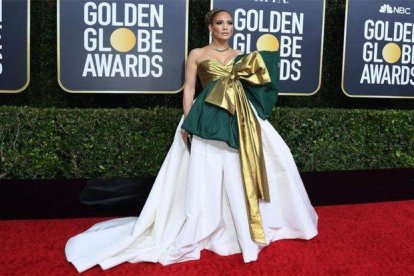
(386,8)
(274,1)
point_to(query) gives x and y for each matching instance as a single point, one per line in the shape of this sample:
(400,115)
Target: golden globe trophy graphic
(123,40)
(267,42)
(391,52)
(14,46)
(294,28)
(122,46)
(379,49)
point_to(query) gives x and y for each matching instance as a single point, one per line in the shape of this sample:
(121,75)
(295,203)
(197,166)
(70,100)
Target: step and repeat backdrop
(379,49)
(122,46)
(294,28)
(140,46)
(14,45)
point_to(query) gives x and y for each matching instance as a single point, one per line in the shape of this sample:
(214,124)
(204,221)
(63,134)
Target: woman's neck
(217,44)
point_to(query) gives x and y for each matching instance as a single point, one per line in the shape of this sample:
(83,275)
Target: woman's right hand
(184,135)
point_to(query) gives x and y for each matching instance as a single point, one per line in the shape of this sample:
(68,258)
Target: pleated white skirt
(197,202)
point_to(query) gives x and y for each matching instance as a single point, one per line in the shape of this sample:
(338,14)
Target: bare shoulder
(195,54)
(198,54)
(237,52)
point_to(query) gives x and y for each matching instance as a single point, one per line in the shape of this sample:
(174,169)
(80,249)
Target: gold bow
(228,93)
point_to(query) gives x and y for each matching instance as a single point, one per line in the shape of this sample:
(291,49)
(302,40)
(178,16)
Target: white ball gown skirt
(198,202)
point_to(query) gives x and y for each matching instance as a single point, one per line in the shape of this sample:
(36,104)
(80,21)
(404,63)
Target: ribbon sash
(228,93)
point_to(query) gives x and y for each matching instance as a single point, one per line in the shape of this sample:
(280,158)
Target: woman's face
(221,27)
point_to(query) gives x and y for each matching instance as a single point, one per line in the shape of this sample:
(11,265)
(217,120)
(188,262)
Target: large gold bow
(229,94)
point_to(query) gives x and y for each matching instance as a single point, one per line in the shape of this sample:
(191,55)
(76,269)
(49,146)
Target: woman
(237,190)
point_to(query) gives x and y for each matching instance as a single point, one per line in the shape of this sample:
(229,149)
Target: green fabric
(209,121)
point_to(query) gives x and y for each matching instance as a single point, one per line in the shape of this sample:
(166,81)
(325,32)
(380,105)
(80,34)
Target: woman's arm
(189,85)
(190,80)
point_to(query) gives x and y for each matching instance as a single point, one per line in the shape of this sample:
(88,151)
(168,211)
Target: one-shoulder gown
(198,200)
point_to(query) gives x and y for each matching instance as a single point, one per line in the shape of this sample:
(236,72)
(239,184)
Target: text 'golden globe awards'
(388,53)
(123,39)
(289,27)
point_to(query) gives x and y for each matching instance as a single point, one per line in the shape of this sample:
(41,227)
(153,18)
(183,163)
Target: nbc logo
(274,1)
(385,9)
(389,9)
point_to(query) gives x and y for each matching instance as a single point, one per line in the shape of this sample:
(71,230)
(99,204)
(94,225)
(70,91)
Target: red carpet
(362,239)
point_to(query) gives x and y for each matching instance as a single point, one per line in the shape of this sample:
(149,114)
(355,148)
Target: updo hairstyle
(211,14)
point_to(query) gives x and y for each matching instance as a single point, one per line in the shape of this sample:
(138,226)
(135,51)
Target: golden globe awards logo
(379,49)
(131,48)
(122,46)
(289,28)
(389,50)
(292,27)
(388,53)
(1,44)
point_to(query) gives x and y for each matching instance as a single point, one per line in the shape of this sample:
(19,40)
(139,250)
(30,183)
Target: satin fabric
(212,122)
(228,93)
(197,202)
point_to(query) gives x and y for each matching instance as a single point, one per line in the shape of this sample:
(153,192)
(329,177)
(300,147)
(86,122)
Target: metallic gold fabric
(228,93)
(211,69)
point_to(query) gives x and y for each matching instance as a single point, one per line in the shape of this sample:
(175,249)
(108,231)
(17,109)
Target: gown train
(198,202)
